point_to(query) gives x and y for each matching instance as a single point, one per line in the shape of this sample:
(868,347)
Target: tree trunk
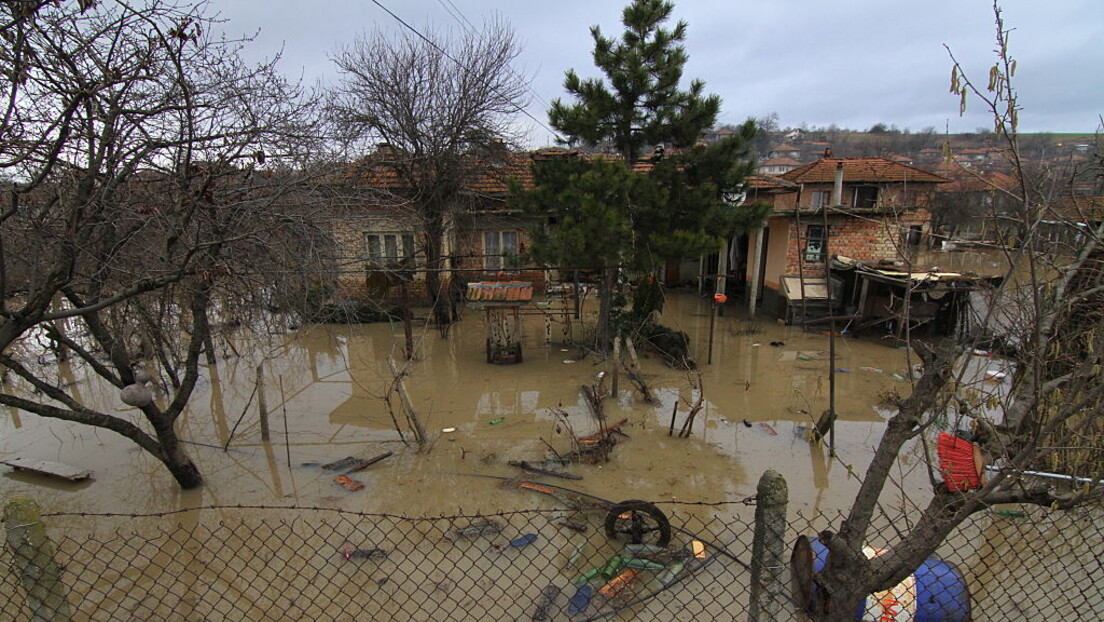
(440,301)
(183,470)
(173,456)
(605,295)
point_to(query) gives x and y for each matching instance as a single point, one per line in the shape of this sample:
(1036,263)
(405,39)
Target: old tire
(640,521)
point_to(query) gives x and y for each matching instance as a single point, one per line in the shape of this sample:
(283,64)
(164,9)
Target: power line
(458,15)
(453,59)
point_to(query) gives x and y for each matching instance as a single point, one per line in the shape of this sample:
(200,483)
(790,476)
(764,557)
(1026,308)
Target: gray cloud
(852,63)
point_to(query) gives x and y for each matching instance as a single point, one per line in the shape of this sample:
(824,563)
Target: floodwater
(325,388)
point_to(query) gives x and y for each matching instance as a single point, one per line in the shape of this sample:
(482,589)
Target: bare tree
(142,156)
(440,106)
(1046,316)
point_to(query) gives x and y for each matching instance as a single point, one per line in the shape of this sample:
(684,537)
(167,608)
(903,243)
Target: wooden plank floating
(352,465)
(45,467)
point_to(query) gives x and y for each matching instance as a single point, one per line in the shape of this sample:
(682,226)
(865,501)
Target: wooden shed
(501,302)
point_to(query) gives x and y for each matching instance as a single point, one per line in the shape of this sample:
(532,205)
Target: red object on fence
(720,298)
(961,463)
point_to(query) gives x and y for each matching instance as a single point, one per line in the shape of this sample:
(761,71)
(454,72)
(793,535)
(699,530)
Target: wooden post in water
(615,372)
(262,406)
(415,423)
(33,559)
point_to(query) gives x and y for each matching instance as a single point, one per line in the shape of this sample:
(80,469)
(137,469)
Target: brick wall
(865,238)
(356,281)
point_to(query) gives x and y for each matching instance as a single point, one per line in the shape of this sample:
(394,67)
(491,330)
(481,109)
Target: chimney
(837,187)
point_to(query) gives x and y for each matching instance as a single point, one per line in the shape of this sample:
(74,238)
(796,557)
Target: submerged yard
(328,383)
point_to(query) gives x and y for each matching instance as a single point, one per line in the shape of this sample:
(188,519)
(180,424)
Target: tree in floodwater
(148,172)
(635,219)
(1046,320)
(438,109)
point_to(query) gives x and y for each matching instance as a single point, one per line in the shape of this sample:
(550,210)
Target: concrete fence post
(34,560)
(768,564)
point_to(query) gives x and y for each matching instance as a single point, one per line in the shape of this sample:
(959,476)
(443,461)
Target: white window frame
(821,198)
(499,244)
(815,246)
(382,248)
(860,189)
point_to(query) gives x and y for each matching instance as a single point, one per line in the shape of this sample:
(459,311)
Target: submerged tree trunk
(439,300)
(605,296)
(179,464)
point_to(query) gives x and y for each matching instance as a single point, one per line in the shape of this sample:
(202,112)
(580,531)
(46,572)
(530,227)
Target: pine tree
(639,217)
(639,103)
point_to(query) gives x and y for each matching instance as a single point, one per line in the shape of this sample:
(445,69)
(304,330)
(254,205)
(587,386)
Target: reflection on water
(325,390)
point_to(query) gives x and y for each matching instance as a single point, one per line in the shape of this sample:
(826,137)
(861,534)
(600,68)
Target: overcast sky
(849,62)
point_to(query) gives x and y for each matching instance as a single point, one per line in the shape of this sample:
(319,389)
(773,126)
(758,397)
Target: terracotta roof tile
(860,170)
(498,291)
(1087,209)
(769,182)
(972,180)
(780,162)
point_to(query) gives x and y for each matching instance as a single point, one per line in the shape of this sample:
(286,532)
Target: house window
(821,198)
(815,243)
(390,249)
(912,235)
(866,196)
(498,246)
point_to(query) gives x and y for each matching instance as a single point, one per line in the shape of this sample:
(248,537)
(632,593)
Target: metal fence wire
(263,563)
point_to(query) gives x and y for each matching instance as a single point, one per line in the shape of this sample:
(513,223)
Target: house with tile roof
(380,237)
(974,205)
(881,213)
(777,166)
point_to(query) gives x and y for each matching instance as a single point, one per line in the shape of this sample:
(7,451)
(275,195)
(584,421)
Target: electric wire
(445,53)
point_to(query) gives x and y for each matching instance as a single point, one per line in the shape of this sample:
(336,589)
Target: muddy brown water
(329,383)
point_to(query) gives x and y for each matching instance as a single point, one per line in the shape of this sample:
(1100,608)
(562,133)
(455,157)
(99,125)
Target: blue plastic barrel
(936,592)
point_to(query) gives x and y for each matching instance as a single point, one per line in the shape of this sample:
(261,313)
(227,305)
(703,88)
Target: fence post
(767,551)
(34,559)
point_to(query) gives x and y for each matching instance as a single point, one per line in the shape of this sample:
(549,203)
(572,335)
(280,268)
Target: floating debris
(580,601)
(643,564)
(351,464)
(496,420)
(671,573)
(525,466)
(349,553)
(481,527)
(348,482)
(619,583)
(768,429)
(575,555)
(517,543)
(544,603)
(579,527)
(525,540)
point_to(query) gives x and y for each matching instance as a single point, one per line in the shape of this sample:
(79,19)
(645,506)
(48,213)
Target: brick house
(380,234)
(882,213)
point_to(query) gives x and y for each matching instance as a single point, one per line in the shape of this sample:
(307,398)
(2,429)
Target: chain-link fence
(262,563)
(319,564)
(1027,563)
